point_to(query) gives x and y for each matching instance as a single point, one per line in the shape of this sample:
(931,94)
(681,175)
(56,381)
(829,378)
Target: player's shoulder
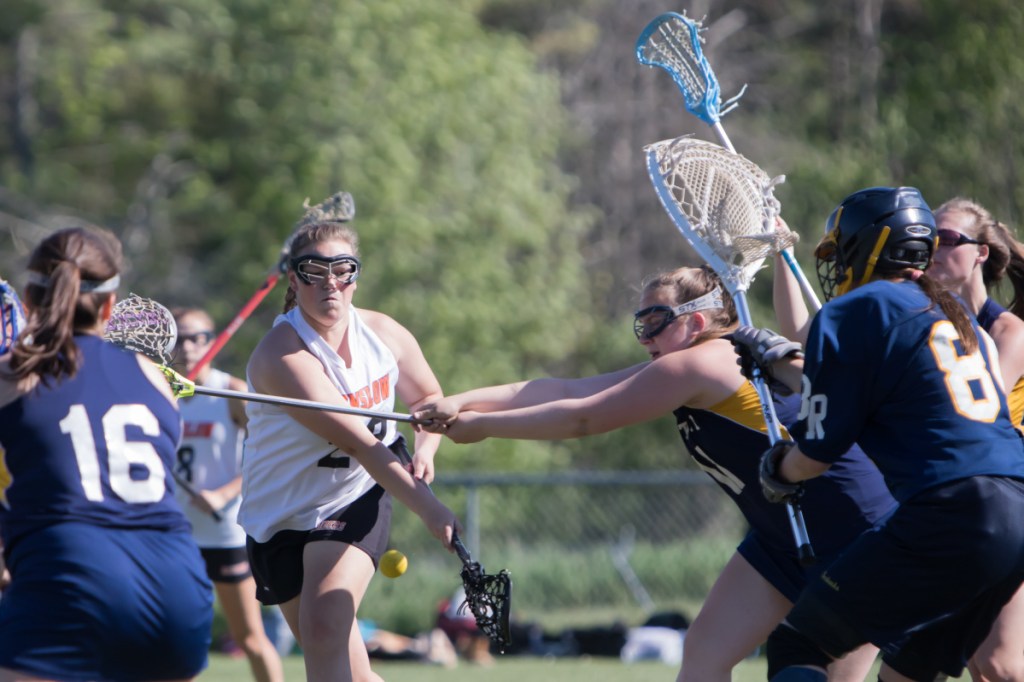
(390,330)
(881,303)
(10,388)
(1007,330)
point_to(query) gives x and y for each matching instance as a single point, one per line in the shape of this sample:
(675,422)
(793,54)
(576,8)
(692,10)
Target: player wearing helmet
(895,363)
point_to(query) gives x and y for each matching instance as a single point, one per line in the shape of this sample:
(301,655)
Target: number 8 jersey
(885,367)
(96,448)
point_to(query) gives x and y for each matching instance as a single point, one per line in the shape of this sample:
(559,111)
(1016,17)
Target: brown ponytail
(58,305)
(951,307)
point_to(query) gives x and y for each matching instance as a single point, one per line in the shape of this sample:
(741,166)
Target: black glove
(774,489)
(759,349)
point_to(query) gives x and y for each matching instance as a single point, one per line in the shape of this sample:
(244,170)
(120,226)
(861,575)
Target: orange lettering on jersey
(198,430)
(377,392)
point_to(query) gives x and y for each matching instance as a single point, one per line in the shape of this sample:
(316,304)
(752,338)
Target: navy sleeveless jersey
(727,441)
(885,368)
(96,449)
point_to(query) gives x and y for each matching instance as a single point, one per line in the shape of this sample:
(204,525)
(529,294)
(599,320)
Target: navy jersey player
(106,581)
(691,373)
(895,363)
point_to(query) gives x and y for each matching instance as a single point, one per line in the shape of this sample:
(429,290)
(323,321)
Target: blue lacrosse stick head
(672,42)
(12,316)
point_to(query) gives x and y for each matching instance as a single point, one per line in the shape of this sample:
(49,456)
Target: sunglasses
(198,338)
(655,319)
(315,269)
(953,239)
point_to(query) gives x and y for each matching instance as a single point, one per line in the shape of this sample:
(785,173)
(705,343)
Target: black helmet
(874,231)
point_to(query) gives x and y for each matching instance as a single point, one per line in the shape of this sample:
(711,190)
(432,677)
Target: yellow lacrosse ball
(393,563)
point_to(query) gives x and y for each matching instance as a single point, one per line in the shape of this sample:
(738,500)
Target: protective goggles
(198,338)
(653,320)
(314,269)
(953,239)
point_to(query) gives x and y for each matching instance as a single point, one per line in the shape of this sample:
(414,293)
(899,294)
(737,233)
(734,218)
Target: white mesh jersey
(292,479)
(209,456)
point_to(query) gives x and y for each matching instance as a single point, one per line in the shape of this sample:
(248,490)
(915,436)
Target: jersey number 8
(968,379)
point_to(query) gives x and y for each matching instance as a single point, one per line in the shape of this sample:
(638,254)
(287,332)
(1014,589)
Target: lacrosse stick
(144,326)
(12,316)
(193,493)
(488,597)
(344,210)
(725,207)
(673,42)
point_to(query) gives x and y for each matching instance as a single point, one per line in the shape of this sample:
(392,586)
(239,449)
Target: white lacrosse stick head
(144,326)
(723,203)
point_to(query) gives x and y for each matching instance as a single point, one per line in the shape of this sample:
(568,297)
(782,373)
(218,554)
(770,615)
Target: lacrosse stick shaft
(307,404)
(193,493)
(233,326)
(796,518)
(805,286)
(723,138)
(461,550)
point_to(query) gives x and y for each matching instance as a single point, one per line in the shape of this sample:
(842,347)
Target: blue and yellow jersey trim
(744,408)
(1015,399)
(5,478)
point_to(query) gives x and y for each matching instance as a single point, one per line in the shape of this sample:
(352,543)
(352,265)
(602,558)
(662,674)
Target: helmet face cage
(830,270)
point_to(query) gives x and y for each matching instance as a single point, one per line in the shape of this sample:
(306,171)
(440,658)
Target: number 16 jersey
(96,448)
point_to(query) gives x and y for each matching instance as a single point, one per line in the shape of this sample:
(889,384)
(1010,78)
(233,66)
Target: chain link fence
(598,543)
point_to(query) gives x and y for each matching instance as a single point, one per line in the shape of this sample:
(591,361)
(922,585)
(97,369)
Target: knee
(322,631)
(703,661)
(255,645)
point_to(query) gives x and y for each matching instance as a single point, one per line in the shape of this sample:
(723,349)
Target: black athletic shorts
(226,564)
(926,586)
(277,563)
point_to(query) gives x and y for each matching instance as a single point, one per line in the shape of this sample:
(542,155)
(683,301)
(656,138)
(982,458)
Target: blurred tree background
(494,150)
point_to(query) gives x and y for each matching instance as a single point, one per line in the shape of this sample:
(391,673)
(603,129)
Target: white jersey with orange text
(293,479)
(209,456)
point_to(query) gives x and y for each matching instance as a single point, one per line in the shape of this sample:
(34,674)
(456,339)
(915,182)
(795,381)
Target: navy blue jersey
(727,441)
(96,448)
(885,368)
(990,311)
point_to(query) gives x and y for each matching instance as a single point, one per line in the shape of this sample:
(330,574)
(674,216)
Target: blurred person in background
(210,464)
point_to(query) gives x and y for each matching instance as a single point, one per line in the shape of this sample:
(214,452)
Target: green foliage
(493,149)
(195,129)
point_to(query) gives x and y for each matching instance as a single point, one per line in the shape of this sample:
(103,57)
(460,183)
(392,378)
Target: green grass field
(513,669)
